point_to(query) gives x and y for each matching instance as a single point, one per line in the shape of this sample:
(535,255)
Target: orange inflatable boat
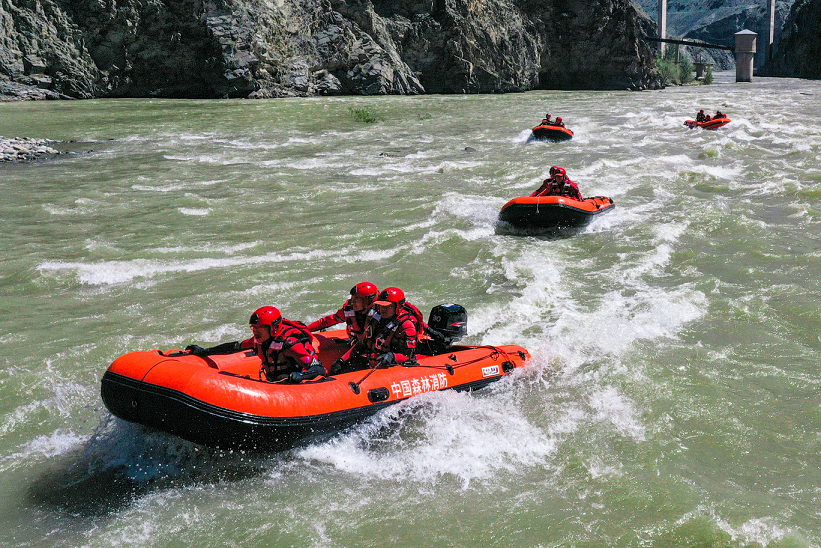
(551,132)
(715,123)
(220,400)
(553,212)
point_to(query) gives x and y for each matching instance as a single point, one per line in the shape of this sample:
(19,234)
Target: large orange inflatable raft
(220,400)
(551,132)
(553,212)
(715,123)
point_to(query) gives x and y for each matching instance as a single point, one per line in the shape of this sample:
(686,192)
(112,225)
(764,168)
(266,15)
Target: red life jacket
(380,335)
(354,321)
(416,317)
(354,326)
(290,334)
(552,188)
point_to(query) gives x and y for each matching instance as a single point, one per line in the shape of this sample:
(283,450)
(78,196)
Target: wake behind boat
(220,400)
(553,212)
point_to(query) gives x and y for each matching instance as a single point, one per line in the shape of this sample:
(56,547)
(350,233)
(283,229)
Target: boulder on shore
(25,149)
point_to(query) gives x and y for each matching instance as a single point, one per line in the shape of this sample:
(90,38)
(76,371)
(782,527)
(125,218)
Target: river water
(672,398)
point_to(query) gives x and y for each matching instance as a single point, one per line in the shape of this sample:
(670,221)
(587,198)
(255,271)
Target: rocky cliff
(799,51)
(273,48)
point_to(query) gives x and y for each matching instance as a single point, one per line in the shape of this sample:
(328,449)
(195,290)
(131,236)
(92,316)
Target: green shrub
(669,70)
(708,77)
(686,69)
(362,114)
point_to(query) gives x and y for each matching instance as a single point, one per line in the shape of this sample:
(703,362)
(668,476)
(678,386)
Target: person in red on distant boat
(559,184)
(286,347)
(354,312)
(558,122)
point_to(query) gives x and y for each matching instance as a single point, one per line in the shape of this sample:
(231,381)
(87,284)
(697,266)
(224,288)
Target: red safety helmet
(560,171)
(553,169)
(391,295)
(365,290)
(267,315)
(558,118)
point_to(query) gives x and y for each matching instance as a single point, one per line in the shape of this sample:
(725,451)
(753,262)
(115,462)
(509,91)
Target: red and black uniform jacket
(552,188)
(290,349)
(398,334)
(355,321)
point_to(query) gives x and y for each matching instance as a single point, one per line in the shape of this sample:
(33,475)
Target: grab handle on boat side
(172,353)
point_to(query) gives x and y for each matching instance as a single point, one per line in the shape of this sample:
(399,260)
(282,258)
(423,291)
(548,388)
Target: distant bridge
(689,43)
(662,26)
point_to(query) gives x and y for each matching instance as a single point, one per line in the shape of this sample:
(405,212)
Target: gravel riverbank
(25,149)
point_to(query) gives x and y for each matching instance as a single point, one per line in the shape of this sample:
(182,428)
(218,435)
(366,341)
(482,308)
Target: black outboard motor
(448,324)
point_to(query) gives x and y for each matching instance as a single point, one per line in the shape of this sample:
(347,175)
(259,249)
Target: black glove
(386,359)
(437,336)
(311,373)
(196,350)
(338,365)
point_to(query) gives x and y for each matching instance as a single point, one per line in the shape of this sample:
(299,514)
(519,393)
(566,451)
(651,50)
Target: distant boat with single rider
(553,212)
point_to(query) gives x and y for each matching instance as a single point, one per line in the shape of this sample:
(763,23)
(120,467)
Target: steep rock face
(589,44)
(40,47)
(799,52)
(272,48)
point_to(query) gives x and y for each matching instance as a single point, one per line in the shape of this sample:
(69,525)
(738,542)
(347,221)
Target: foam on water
(173,187)
(122,272)
(523,137)
(57,443)
(194,212)
(440,433)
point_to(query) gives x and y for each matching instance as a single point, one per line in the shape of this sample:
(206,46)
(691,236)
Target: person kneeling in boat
(546,120)
(286,347)
(558,184)
(700,116)
(354,313)
(391,333)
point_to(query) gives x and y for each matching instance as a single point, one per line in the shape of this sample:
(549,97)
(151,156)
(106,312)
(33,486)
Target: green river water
(672,398)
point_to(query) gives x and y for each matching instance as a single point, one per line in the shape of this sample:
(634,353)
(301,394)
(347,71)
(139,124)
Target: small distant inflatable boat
(550,132)
(553,212)
(715,123)
(220,400)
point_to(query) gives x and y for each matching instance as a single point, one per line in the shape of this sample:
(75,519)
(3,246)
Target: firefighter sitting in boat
(558,184)
(391,334)
(286,347)
(354,313)
(700,117)
(546,120)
